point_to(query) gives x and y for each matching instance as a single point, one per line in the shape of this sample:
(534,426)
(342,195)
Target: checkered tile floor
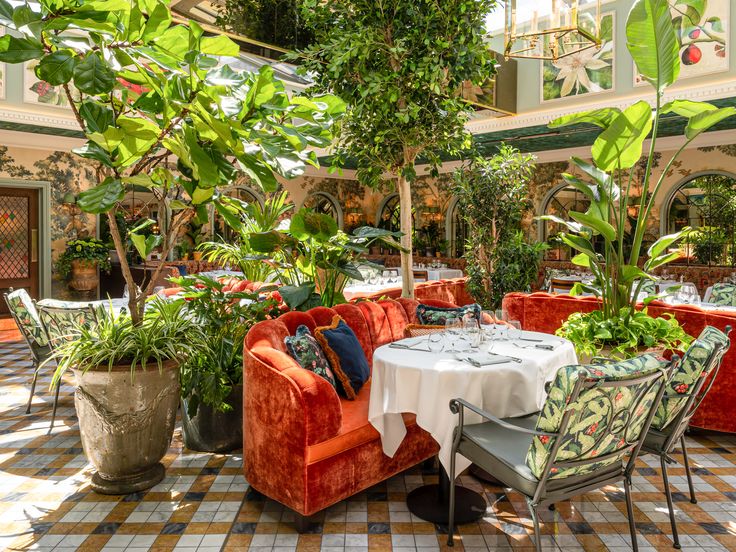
(204,503)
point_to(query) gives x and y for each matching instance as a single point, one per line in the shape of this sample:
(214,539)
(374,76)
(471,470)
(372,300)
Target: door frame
(44,228)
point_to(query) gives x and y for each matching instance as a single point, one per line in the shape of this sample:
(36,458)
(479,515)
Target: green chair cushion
(724,294)
(602,420)
(22,307)
(694,365)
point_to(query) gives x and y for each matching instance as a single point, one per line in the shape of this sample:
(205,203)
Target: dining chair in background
(22,308)
(563,287)
(421,276)
(587,436)
(722,294)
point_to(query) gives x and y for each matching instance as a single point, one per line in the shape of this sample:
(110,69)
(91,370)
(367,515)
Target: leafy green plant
(606,181)
(708,244)
(399,66)
(223,318)
(164,333)
(625,333)
(493,194)
(144,91)
(91,250)
(247,219)
(314,259)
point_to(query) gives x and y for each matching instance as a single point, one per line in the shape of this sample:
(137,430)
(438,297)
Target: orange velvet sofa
(545,312)
(452,290)
(303,445)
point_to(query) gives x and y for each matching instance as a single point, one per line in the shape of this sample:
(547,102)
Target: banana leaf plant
(314,259)
(607,180)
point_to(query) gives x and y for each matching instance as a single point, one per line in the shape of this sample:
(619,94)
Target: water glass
(453,329)
(514,330)
(471,331)
(435,342)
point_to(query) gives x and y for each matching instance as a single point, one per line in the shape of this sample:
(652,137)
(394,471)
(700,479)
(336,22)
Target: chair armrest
(456,405)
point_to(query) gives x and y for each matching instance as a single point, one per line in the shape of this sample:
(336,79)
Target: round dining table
(508,381)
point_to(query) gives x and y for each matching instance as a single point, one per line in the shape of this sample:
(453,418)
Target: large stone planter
(213,431)
(83,275)
(126,424)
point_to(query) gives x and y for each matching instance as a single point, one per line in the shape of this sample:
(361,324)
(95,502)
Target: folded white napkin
(485,359)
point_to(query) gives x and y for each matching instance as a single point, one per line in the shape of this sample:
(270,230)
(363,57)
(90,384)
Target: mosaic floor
(204,503)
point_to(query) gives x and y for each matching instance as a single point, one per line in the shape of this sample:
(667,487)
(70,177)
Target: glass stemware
(435,343)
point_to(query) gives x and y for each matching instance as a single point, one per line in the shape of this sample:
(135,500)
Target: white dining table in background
(442,273)
(423,383)
(364,290)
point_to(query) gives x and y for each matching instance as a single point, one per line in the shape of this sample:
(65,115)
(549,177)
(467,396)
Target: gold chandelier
(551,29)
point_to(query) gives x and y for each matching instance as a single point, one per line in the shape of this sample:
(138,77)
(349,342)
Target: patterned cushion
(307,352)
(598,421)
(648,287)
(346,357)
(724,295)
(63,319)
(694,365)
(437,316)
(22,307)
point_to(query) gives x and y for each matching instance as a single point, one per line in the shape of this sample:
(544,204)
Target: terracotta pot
(197,255)
(84,275)
(126,424)
(213,431)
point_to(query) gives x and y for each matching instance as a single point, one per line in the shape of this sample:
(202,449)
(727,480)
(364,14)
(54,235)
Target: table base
(426,503)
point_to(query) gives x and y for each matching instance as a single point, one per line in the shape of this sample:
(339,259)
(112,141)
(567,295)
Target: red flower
(619,396)
(591,430)
(621,443)
(594,453)
(597,373)
(544,439)
(681,388)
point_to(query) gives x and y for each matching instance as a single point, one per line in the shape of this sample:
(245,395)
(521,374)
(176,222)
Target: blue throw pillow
(307,352)
(346,357)
(437,316)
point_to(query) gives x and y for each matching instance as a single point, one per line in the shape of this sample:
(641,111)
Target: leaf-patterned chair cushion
(22,307)
(64,318)
(305,349)
(724,295)
(428,315)
(694,365)
(598,423)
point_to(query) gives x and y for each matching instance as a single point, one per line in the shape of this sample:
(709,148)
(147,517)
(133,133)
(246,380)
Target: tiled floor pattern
(204,503)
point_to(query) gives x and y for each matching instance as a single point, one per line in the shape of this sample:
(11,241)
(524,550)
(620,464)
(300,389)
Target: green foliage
(625,333)
(216,365)
(494,197)
(709,244)
(606,182)
(314,259)
(143,88)
(163,334)
(86,249)
(274,22)
(398,66)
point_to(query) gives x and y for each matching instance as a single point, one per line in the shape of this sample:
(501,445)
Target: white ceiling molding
(64,120)
(706,92)
(43,142)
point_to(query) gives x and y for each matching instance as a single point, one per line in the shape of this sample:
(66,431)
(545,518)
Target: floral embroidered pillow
(437,316)
(307,352)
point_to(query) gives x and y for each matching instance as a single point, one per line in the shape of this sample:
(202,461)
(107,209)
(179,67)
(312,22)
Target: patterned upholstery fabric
(308,353)
(724,295)
(694,365)
(648,287)
(429,315)
(598,424)
(63,319)
(24,310)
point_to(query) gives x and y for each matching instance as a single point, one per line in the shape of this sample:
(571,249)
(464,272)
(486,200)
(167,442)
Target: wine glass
(471,330)
(453,328)
(435,342)
(514,330)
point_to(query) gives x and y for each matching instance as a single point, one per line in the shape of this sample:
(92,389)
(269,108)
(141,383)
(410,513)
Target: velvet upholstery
(348,361)
(453,290)
(293,319)
(298,434)
(410,308)
(322,316)
(545,312)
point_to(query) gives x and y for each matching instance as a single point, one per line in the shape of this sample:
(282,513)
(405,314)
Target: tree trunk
(407,274)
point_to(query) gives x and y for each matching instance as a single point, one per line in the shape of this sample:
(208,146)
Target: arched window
(705,202)
(456,229)
(389,215)
(222,230)
(324,203)
(560,202)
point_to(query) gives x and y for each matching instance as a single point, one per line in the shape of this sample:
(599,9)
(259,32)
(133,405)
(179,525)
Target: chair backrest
(63,319)
(421,275)
(724,294)
(599,414)
(561,286)
(648,287)
(686,387)
(23,310)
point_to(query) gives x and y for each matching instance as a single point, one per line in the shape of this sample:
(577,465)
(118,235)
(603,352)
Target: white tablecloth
(363,290)
(442,273)
(423,383)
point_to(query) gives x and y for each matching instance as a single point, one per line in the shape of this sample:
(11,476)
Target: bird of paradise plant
(607,179)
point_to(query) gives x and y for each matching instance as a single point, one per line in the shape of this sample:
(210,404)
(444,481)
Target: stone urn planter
(83,275)
(213,431)
(126,423)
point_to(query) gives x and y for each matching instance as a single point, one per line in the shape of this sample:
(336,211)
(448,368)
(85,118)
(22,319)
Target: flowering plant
(90,250)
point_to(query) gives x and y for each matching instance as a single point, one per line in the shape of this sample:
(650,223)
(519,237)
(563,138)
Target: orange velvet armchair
(303,445)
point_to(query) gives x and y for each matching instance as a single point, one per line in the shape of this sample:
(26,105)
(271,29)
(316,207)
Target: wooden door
(18,241)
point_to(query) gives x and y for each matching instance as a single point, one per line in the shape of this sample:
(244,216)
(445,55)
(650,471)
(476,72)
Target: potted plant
(80,260)
(127,379)
(152,93)
(617,262)
(212,376)
(182,251)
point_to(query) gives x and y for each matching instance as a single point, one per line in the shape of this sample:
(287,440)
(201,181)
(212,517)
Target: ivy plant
(399,67)
(148,93)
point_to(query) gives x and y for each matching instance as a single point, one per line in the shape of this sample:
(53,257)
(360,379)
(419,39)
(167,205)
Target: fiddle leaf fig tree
(616,152)
(148,93)
(399,66)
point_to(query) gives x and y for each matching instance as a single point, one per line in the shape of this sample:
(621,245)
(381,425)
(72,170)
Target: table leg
(431,502)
